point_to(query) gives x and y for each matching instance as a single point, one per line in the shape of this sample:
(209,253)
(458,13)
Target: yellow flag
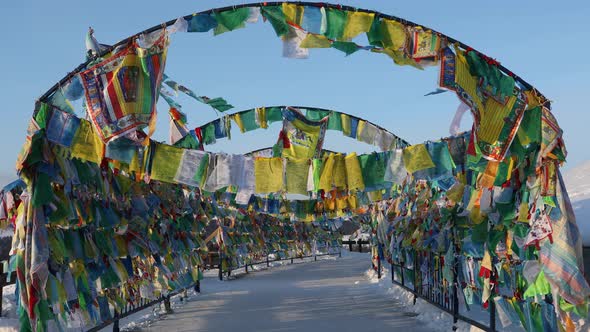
(360,127)
(268,174)
(398,57)
(357,22)
(476,216)
(352,201)
(166,162)
(261,117)
(354,176)
(416,158)
(296,172)
(341,203)
(375,196)
(523,212)
(394,34)
(315,41)
(493,118)
(464,79)
(87,145)
(339,173)
(293,13)
(455,193)
(346,124)
(532,99)
(489,175)
(326,178)
(134,166)
(238,120)
(305,137)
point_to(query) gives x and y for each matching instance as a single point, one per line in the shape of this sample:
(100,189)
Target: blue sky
(545,42)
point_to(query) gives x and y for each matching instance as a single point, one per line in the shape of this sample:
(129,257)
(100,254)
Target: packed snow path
(327,295)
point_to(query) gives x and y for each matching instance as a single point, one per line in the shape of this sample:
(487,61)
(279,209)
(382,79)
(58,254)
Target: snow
(577,181)
(7,232)
(9,319)
(429,315)
(332,294)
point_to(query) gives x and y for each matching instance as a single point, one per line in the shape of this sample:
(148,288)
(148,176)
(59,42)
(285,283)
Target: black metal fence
(6,279)
(269,260)
(359,243)
(424,278)
(427,284)
(142,304)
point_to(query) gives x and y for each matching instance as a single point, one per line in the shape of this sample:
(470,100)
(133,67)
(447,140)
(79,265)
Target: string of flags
(109,216)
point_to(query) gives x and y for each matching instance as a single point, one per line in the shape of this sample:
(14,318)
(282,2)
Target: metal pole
(220,266)
(402,271)
(167,307)
(116,322)
(492,314)
(1,291)
(315,250)
(378,262)
(455,282)
(418,273)
(392,273)
(267,261)
(340,7)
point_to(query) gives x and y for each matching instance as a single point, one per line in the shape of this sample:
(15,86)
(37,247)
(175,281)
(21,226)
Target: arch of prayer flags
(109,216)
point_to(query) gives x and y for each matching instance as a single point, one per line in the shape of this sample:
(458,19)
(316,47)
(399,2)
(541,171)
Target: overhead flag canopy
(109,216)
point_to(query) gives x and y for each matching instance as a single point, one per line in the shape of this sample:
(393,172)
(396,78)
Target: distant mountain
(577,181)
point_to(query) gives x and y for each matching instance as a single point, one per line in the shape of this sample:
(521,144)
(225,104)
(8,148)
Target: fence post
(350,245)
(1,293)
(402,271)
(416,290)
(315,250)
(492,314)
(360,245)
(246,267)
(267,261)
(392,273)
(456,267)
(116,321)
(167,307)
(378,264)
(220,266)
(198,286)
(3,280)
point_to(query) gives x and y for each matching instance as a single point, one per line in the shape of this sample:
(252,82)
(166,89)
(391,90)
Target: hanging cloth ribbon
(456,123)
(218,104)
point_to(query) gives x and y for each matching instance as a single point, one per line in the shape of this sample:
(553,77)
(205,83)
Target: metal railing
(424,278)
(142,304)
(268,260)
(6,279)
(359,243)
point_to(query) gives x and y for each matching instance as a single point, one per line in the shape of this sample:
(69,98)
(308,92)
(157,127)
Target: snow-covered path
(327,295)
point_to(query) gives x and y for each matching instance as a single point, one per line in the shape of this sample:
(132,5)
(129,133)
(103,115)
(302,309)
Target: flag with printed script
(122,90)
(305,138)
